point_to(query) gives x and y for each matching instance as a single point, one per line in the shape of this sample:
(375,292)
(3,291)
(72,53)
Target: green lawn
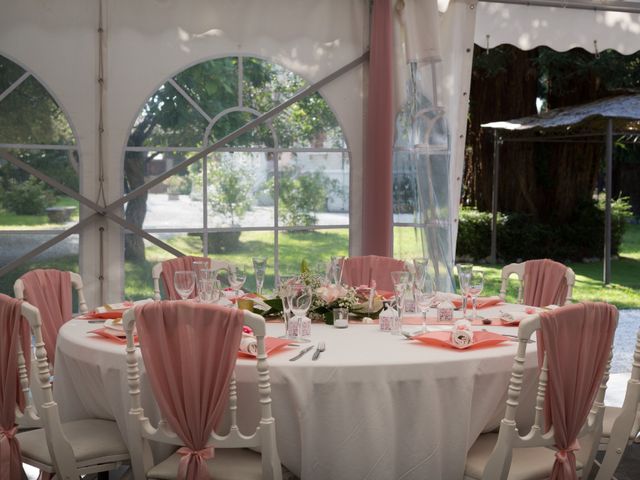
(624,290)
(318,246)
(12,221)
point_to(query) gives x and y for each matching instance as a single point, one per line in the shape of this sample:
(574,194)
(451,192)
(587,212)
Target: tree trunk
(504,85)
(136,210)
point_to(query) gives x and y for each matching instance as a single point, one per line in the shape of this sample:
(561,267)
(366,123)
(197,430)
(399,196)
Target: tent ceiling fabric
(589,117)
(562,29)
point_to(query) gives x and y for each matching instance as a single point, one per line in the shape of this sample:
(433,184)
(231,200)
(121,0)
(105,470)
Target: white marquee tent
(144,43)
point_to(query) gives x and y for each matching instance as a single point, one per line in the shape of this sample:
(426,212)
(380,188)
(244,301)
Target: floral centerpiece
(327,296)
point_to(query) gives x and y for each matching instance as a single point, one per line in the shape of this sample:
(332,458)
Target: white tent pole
(494,197)
(607,212)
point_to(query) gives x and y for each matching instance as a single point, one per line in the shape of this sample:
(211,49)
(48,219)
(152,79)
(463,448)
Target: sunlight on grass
(623,292)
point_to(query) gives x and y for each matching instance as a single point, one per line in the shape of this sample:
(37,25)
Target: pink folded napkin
(443,339)
(249,345)
(482,302)
(112,335)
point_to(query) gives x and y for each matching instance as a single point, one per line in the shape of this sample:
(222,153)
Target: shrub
(27,198)
(178,185)
(302,194)
(230,188)
(521,237)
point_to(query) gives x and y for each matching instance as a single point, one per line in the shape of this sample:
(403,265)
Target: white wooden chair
(156,271)
(507,454)
(621,425)
(517,269)
(69,449)
(233,459)
(76,283)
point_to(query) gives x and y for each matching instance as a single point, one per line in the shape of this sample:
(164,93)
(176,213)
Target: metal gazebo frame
(583,123)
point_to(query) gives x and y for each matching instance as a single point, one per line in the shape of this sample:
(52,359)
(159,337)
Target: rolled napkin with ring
(461,334)
(248,344)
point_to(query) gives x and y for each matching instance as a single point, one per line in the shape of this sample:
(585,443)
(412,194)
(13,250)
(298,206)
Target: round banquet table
(374,405)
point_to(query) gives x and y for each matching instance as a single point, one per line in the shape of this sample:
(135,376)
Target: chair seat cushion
(526,464)
(93,441)
(610,415)
(228,464)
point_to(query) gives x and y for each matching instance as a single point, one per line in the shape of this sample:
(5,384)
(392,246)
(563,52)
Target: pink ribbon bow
(201,456)
(563,454)
(5,450)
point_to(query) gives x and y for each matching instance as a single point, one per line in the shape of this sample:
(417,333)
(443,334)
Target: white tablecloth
(374,405)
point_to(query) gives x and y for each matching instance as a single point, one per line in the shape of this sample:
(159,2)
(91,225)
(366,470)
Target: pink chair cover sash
(50,292)
(169,267)
(11,325)
(577,340)
(545,283)
(362,270)
(189,351)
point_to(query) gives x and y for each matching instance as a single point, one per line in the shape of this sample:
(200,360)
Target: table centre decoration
(326,296)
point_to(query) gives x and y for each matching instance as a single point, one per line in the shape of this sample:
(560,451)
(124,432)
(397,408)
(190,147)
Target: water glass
(237,279)
(209,291)
(259,268)
(300,298)
(424,294)
(476,285)
(184,281)
(464,275)
(420,267)
(336,269)
(198,266)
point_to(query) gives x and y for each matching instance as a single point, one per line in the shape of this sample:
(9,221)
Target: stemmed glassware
(300,297)
(476,284)
(237,278)
(209,286)
(464,276)
(198,266)
(336,269)
(184,281)
(401,281)
(259,268)
(425,292)
(284,285)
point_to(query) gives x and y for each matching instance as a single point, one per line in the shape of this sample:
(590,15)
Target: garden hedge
(521,237)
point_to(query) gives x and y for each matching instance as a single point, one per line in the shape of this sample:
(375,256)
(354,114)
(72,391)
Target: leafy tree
(548,181)
(167,119)
(230,188)
(29,115)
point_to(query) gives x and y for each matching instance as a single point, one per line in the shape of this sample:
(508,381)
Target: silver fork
(319,350)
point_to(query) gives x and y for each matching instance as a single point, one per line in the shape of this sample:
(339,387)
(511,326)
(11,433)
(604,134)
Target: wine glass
(259,268)
(336,269)
(300,297)
(464,274)
(197,266)
(424,293)
(184,281)
(237,278)
(476,284)
(284,284)
(420,267)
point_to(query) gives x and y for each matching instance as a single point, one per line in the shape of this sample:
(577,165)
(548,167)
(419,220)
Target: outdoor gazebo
(606,120)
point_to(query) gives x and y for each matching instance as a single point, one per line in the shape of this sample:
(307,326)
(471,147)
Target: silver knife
(302,352)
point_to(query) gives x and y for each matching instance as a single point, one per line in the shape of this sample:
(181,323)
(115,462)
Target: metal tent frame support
(608,134)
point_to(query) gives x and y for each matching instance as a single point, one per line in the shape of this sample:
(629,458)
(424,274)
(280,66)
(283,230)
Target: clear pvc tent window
(272,191)
(35,130)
